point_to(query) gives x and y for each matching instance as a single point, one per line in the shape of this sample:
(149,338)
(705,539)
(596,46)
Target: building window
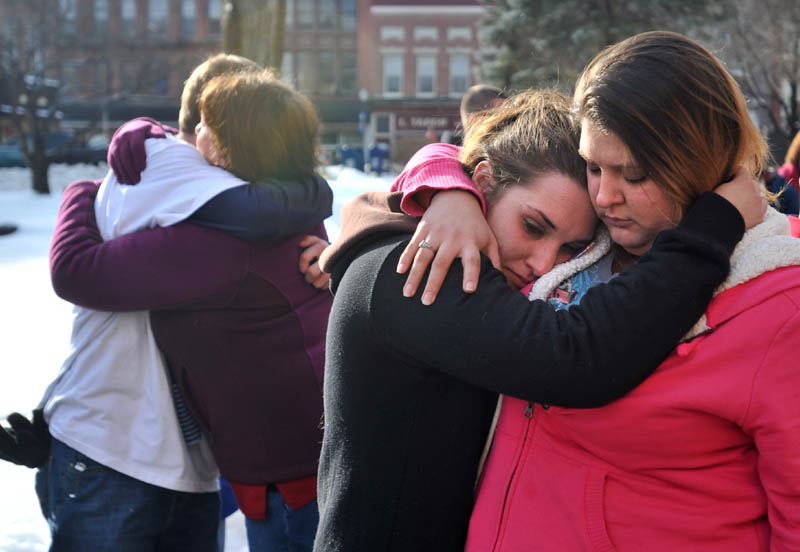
(214,14)
(425,33)
(306,71)
(289,21)
(327,14)
(158,78)
(157,20)
(326,79)
(426,75)
(348,73)
(392,74)
(101,19)
(69,78)
(102,82)
(128,16)
(188,19)
(130,77)
(383,123)
(392,32)
(287,68)
(347,15)
(305,14)
(68,16)
(459,33)
(459,73)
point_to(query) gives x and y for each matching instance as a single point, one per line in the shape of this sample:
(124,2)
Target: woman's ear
(482,177)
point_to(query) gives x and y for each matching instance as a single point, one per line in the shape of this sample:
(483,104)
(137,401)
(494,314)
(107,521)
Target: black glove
(25,443)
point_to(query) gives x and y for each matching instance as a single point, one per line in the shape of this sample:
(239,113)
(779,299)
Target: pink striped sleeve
(432,169)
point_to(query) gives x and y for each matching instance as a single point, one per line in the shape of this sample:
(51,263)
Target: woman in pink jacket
(705,454)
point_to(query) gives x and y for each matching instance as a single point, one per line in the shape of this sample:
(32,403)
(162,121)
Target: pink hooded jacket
(704,455)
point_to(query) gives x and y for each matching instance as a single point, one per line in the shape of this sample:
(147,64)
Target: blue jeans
(90,507)
(285,529)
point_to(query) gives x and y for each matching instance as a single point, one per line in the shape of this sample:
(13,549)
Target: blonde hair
(261,126)
(220,64)
(793,153)
(677,109)
(530,134)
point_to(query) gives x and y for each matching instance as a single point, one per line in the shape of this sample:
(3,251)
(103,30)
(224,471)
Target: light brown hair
(262,127)
(531,134)
(793,154)
(220,64)
(676,108)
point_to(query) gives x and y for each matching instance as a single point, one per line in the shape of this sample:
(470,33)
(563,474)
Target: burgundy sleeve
(432,169)
(126,152)
(179,266)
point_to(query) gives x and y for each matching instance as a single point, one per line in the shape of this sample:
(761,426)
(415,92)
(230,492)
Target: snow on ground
(35,327)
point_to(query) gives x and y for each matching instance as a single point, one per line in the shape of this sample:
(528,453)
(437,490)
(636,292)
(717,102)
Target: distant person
(477,98)
(480,98)
(790,170)
(788,198)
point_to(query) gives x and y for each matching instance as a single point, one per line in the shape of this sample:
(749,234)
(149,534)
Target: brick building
(416,59)
(320,59)
(119,59)
(377,70)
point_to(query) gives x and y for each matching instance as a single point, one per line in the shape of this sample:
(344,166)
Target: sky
(35,328)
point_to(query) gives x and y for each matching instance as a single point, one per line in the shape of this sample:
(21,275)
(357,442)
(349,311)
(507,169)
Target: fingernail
(401,266)
(407,291)
(469,286)
(427,298)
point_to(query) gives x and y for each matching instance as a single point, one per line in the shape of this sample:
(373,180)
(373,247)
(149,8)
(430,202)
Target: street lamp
(364,122)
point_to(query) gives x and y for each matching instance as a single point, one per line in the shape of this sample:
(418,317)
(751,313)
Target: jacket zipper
(528,413)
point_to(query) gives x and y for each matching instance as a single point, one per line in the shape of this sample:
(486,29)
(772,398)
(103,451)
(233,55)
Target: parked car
(11,156)
(94,152)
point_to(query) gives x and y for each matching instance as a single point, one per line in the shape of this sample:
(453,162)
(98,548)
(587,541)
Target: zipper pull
(529,410)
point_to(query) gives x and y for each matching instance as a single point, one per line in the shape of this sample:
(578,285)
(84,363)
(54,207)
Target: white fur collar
(545,285)
(763,248)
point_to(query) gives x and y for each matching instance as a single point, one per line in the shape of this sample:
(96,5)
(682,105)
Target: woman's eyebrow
(619,167)
(546,220)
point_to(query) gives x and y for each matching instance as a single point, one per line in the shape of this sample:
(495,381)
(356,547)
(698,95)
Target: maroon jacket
(243,333)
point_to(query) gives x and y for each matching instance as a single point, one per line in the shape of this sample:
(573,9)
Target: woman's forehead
(603,147)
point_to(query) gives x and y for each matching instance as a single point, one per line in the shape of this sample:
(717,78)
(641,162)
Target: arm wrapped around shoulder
(126,153)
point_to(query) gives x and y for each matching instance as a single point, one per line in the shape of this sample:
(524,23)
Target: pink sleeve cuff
(432,169)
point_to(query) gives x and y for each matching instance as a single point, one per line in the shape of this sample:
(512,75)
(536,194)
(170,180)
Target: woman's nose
(197,128)
(607,191)
(542,259)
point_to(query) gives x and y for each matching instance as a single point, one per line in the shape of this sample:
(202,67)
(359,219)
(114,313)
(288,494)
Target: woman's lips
(616,222)
(515,279)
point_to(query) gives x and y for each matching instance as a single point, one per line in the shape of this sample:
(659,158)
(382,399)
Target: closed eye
(532,227)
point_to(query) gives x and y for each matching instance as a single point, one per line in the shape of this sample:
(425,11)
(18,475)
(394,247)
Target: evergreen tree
(548,42)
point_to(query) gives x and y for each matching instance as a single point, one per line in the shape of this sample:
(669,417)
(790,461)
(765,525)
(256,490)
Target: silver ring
(426,244)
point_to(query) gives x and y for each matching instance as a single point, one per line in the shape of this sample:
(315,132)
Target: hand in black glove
(25,443)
